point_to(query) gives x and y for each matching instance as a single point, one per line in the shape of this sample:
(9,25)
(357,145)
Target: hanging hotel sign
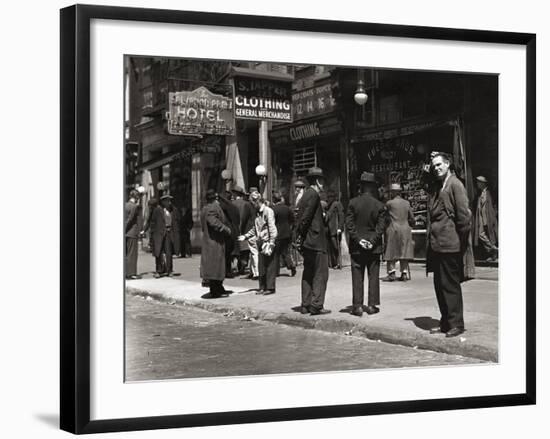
(263,99)
(200,112)
(313,101)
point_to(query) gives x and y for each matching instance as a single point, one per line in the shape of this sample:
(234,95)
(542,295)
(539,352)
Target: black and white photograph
(284,218)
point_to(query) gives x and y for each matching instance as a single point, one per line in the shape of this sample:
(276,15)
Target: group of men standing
(257,234)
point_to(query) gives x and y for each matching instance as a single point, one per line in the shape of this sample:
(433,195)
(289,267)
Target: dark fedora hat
(368,177)
(315,172)
(238,190)
(166,197)
(299,183)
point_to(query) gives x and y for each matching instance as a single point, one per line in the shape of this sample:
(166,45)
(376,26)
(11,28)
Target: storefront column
(196,189)
(265,158)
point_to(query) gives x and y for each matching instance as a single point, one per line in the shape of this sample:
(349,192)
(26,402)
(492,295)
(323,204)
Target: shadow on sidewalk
(424,322)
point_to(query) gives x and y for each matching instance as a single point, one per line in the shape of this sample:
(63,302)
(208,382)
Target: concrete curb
(376,332)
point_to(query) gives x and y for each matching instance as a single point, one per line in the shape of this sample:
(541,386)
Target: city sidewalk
(407,310)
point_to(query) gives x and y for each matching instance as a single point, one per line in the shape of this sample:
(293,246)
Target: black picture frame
(75,217)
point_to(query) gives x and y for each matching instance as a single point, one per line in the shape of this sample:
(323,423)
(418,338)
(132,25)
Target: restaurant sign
(200,112)
(263,99)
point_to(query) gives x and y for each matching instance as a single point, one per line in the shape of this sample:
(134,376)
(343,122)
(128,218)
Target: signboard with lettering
(263,99)
(297,133)
(200,112)
(313,101)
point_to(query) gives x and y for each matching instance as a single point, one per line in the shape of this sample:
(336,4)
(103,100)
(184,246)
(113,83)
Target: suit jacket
(399,243)
(284,218)
(310,226)
(449,217)
(335,218)
(231,213)
(365,219)
(157,225)
(133,219)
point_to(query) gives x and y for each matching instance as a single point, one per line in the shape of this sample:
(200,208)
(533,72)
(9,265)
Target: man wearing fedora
(399,243)
(312,240)
(485,221)
(365,219)
(216,230)
(164,225)
(246,216)
(133,226)
(449,223)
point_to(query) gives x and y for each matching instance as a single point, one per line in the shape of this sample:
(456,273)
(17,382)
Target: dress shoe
(454,332)
(437,330)
(268,292)
(293,272)
(371,309)
(389,278)
(404,277)
(317,312)
(260,292)
(357,311)
(304,310)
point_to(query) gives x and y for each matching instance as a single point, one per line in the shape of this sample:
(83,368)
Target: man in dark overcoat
(232,248)
(284,219)
(215,233)
(365,220)
(449,224)
(485,221)
(246,217)
(335,225)
(133,226)
(312,240)
(164,225)
(399,242)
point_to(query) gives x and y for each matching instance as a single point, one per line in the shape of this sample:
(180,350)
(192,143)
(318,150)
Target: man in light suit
(312,240)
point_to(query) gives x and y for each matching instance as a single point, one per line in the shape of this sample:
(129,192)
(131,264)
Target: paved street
(166,341)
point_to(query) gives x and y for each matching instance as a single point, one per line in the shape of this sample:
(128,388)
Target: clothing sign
(263,99)
(200,112)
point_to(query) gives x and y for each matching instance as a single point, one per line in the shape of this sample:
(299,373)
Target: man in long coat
(399,242)
(335,225)
(485,221)
(449,224)
(133,226)
(312,240)
(164,225)
(246,217)
(284,219)
(232,249)
(365,220)
(215,233)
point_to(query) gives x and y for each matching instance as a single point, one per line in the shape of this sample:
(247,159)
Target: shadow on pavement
(424,322)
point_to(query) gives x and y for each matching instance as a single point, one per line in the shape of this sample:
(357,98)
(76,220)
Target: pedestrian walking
(265,234)
(365,220)
(335,225)
(246,216)
(215,233)
(312,241)
(399,242)
(186,225)
(284,219)
(449,223)
(133,226)
(485,221)
(164,227)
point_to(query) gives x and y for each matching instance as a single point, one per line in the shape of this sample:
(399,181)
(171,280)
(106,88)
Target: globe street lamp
(261,172)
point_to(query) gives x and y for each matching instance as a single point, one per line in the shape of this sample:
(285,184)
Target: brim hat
(238,190)
(368,177)
(315,172)
(395,187)
(166,197)
(481,178)
(299,183)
